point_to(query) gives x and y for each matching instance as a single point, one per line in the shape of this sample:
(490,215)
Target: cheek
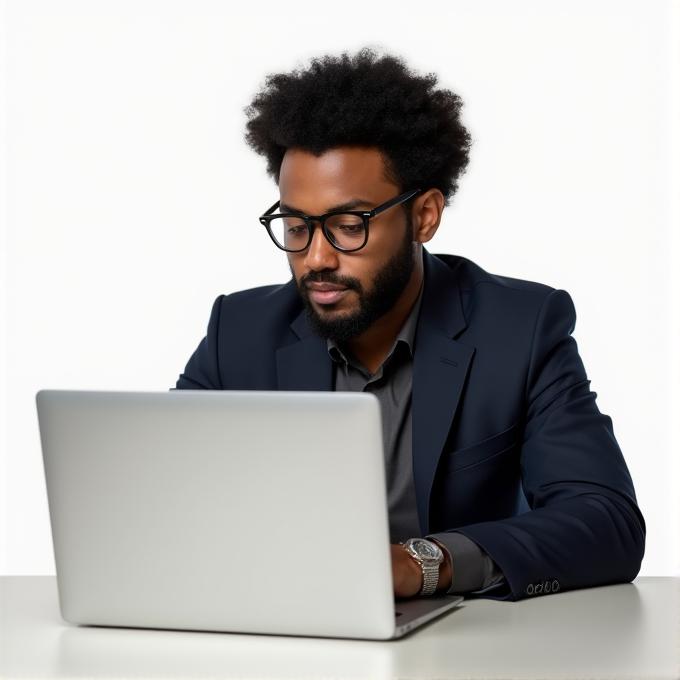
(381,252)
(295,264)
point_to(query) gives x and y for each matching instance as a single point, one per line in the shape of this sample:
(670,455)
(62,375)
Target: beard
(388,285)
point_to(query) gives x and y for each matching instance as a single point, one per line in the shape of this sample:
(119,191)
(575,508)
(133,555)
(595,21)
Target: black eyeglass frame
(321,219)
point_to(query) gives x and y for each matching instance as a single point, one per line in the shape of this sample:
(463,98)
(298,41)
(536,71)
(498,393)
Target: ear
(427,214)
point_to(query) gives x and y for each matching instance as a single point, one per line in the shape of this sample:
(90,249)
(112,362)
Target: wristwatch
(429,555)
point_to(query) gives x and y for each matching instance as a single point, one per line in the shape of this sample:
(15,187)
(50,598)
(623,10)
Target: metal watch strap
(429,556)
(430,578)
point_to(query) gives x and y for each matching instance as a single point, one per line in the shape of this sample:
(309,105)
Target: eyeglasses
(346,230)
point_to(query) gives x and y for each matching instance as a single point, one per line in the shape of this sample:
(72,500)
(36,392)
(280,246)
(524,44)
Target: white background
(130,199)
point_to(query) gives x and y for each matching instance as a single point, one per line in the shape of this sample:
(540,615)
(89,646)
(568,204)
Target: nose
(320,254)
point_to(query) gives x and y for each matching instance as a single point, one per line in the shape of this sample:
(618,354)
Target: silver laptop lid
(258,512)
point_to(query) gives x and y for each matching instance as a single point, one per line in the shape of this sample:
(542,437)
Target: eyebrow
(352,204)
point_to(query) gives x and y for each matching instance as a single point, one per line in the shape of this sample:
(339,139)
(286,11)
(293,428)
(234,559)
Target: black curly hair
(367,100)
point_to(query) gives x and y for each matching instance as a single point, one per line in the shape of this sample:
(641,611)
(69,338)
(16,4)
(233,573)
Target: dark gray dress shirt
(473,569)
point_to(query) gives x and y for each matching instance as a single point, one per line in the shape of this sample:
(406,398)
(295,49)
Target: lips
(326,293)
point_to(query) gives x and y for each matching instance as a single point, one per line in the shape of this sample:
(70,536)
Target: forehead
(317,183)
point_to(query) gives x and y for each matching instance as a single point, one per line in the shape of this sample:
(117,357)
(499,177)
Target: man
(495,451)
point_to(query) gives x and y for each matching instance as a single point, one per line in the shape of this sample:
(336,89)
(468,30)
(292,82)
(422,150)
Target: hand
(407,574)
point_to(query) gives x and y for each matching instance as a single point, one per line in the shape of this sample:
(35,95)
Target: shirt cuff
(473,569)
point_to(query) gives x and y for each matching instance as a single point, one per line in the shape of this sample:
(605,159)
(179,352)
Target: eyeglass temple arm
(273,208)
(398,199)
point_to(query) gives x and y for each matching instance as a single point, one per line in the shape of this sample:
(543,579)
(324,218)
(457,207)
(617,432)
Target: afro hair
(367,100)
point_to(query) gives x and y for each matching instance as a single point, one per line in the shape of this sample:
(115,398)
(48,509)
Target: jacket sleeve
(583,527)
(202,371)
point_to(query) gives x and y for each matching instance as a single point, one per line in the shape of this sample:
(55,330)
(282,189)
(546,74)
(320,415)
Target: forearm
(202,370)
(585,541)
(469,568)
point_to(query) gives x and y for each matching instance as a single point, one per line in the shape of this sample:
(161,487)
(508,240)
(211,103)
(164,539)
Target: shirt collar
(406,335)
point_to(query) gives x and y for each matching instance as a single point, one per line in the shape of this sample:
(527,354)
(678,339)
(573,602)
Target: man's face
(346,293)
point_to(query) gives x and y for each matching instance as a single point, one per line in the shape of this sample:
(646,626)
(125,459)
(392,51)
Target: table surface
(622,631)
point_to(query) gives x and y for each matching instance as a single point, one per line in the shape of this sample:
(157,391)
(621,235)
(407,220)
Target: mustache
(328,277)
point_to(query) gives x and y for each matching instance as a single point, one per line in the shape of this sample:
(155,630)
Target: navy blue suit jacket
(509,447)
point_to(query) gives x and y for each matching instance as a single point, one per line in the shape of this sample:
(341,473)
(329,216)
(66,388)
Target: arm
(202,370)
(407,575)
(474,569)
(584,527)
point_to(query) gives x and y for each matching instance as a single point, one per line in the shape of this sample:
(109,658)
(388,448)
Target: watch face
(426,550)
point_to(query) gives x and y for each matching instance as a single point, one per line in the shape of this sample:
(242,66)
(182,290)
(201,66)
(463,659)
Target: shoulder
(255,320)
(263,295)
(491,301)
(474,283)
(266,305)
(470,276)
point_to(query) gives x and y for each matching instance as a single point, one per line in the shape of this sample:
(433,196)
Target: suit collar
(440,369)
(300,326)
(304,365)
(442,308)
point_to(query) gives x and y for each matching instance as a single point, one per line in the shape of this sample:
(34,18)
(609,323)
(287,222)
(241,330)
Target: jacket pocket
(471,455)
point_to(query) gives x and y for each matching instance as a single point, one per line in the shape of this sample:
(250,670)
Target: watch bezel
(413,546)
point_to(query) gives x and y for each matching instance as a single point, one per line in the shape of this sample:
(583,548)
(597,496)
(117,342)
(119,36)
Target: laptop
(244,512)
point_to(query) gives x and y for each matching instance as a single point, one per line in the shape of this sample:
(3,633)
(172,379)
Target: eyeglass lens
(344,230)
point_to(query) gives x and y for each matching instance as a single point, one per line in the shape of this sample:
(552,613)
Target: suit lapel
(440,367)
(304,365)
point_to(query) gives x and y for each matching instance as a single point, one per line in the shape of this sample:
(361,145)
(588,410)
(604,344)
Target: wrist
(445,568)
(427,556)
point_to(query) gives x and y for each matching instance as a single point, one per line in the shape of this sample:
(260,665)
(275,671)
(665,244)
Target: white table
(624,631)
